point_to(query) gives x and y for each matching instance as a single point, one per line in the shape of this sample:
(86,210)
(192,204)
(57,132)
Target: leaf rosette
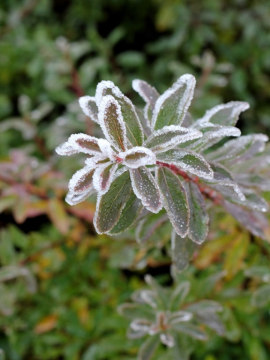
(161,158)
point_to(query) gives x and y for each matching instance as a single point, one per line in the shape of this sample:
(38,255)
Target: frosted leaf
(253,180)
(188,161)
(212,135)
(146,91)
(172,105)
(110,205)
(84,143)
(105,88)
(253,200)
(188,120)
(129,215)
(82,180)
(149,225)
(254,221)
(222,176)
(180,316)
(137,156)
(261,296)
(148,348)
(171,136)
(167,339)
(89,107)
(205,306)
(145,297)
(66,149)
(236,148)
(182,251)
(199,219)
(146,189)
(180,292)
(111,122)
(192,330)
(103,177)
(225,114)
(174,200)
(76,198)
(133,126)
(141,325)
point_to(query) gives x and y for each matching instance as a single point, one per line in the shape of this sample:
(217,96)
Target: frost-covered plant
(161,158)
(163,314)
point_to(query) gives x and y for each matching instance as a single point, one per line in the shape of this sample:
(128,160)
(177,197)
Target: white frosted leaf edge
(89,107)
(146,91)
(99,174)
(78,178)
(236,108)
(184,103)
(106,103)
(173,136)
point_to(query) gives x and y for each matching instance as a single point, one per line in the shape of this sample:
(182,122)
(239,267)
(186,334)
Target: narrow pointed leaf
(174,200)
(225,114)
(133,127)
(103,177)
(171,136)
(187,161)
(89,107)
(128,216)
(111,122)
(149,226)
(179,294)
(110,205)
(146,189)
(82,180)
(171,107)
(254,221)
(261,297)
(148,348)
(79,143)
(182,251)
(236,148)
(146,91)
(199,219)
(191,330)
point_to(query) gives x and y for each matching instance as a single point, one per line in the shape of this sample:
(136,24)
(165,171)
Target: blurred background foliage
(60,284)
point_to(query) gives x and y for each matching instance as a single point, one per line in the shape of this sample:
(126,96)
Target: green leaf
(225,114)
(191,330)
(146,91)
(131,120)
(174,200)
(171,107)
(187,161)
(112,123)
(199,219)
(150,225)
(128,216)
(146,189)
(148,348)
(254,221)
(110,205)
(179,294)
(170,136)
(182,251)
(261,297)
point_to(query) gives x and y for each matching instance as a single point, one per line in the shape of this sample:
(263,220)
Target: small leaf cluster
(164,314)
(160,157)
